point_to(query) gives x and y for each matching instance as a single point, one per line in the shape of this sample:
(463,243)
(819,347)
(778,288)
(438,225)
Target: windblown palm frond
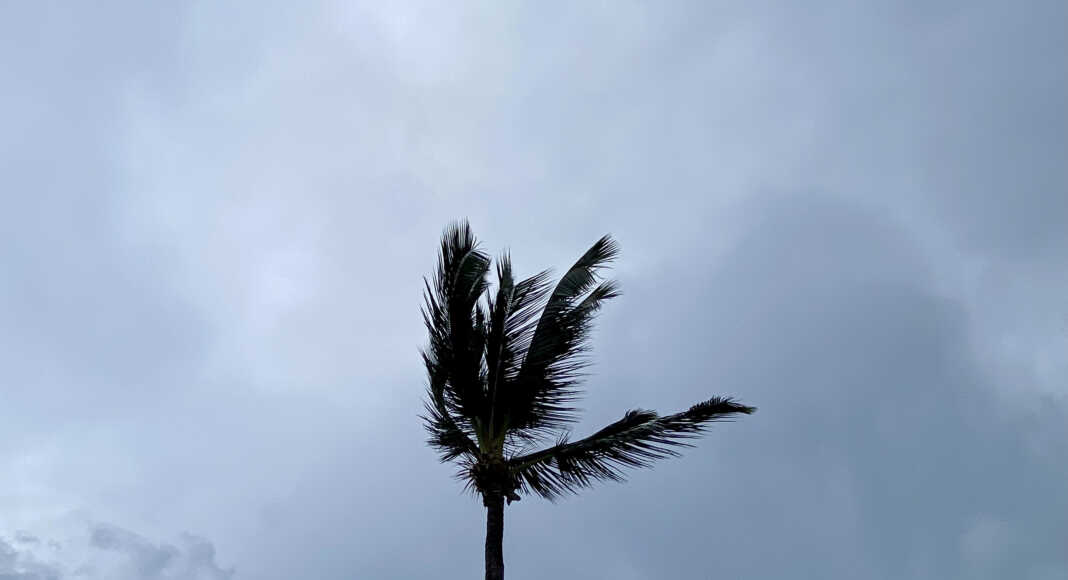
(636,440)
(454,358)
(513,317)
(547,382)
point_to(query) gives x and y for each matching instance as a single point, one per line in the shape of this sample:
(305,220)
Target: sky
(216,216)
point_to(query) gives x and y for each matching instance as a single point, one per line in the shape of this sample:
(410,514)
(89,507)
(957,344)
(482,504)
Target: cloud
(94,551)
(216,217)
(18,565)
(883,447)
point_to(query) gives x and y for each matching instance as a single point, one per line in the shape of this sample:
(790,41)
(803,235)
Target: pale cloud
(94,551)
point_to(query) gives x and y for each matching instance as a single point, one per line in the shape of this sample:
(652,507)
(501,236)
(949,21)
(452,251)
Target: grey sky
(215,219)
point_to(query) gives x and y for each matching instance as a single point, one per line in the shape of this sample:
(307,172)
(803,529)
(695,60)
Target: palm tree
(504,372)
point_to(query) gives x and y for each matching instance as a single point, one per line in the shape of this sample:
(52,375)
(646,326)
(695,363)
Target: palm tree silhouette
(504,372)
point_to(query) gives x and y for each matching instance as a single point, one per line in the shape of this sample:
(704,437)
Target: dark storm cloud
(215,219)
(882,447)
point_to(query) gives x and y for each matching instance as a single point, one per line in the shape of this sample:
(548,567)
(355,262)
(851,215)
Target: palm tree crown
(504,366)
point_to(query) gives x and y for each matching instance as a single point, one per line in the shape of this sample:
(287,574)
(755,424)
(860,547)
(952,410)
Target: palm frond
(454,357)
(512,316)
(583,274)
(637,440)
(446,436)
(547,381)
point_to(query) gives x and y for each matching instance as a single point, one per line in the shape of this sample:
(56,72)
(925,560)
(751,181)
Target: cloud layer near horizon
(94,551)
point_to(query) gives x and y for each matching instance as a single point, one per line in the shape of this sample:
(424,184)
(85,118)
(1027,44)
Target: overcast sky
(216,216)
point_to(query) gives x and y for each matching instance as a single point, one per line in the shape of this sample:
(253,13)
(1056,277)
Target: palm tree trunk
(494,536)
